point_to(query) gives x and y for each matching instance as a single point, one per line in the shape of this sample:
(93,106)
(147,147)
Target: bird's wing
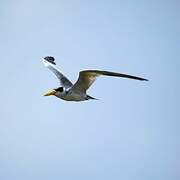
(87,77)
(50,64)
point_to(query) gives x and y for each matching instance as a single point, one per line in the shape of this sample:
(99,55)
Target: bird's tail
(89,97)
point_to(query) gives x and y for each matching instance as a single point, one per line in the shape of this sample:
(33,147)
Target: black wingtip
(139,78)
(50,59)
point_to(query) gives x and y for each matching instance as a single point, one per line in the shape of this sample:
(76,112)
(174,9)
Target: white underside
(72,97)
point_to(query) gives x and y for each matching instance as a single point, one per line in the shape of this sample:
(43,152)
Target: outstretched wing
(49,62)
(86,78)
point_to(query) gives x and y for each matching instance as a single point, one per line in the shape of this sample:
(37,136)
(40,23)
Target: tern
(77,92)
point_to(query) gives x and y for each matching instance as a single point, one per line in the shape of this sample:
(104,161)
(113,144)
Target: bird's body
(77,92)
(72,96)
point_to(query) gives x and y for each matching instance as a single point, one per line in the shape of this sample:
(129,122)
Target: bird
(78,91)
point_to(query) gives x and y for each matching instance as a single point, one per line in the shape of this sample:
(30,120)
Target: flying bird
(77,92)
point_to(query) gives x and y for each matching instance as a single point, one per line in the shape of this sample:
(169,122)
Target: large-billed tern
(77,92)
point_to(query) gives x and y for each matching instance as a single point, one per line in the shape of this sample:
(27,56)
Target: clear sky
(132,133)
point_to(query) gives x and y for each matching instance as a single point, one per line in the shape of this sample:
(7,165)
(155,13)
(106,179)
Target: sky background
(132,133)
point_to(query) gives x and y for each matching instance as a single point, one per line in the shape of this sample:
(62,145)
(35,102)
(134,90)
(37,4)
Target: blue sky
(132,132)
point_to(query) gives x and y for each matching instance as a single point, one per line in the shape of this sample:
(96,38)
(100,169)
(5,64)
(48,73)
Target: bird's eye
(60,89)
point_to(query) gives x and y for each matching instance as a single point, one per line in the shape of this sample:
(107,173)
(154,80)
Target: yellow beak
(50,92)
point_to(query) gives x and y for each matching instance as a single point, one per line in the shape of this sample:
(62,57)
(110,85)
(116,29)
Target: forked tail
(89,97)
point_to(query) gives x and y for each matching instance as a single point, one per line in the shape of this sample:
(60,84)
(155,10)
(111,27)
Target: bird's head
(54,92)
